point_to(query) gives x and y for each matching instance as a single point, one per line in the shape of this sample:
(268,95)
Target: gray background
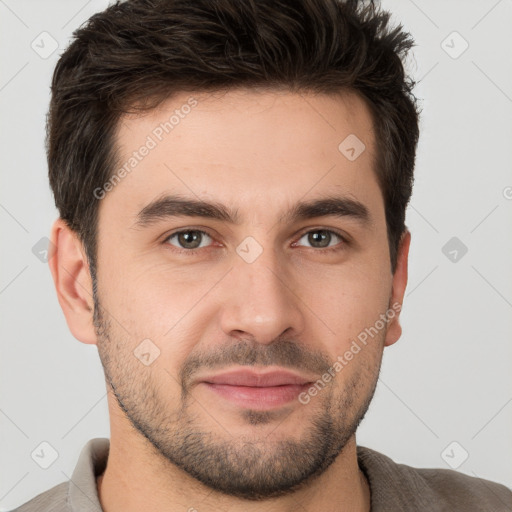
(448,380)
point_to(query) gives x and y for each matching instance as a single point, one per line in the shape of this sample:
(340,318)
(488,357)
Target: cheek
(351,305)
(348,297)
(141,297)
(171,309)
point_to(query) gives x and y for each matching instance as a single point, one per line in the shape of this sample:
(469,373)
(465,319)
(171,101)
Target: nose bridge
(259,301)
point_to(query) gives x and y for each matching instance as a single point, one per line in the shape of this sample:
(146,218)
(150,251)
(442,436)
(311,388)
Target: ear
(397,294)
(73,283)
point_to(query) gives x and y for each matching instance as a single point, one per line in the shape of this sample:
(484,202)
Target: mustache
(285,353)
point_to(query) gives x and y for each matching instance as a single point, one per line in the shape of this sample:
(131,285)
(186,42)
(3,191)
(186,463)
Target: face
(286,273)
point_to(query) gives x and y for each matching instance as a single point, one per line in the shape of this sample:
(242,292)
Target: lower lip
(258,397)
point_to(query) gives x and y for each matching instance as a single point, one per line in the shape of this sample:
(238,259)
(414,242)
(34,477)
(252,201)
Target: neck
(137,478)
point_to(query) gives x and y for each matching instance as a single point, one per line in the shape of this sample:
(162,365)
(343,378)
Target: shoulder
(468,491)
(52,500)
(400,487)
(80,492)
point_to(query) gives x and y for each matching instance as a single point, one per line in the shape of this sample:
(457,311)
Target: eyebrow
(175,206)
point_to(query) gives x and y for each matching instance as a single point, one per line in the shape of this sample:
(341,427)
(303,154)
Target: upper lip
(257,379)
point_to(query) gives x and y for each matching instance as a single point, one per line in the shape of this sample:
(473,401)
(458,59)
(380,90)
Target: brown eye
(322,238)
(189,239)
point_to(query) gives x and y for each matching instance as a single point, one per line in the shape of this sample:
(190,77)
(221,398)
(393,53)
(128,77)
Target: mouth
(257,390)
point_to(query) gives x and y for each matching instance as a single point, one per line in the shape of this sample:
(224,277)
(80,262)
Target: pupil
(189,239)
(322,236)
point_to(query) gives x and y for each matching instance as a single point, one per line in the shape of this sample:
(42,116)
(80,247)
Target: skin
(175,445)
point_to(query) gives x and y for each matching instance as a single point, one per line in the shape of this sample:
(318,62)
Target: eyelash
(193,252)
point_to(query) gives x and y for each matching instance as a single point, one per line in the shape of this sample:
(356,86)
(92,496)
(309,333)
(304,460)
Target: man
(232,179)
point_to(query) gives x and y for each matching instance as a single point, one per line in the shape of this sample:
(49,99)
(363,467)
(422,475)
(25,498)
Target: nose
(261,300)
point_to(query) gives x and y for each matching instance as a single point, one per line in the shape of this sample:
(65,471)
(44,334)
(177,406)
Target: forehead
(246,147)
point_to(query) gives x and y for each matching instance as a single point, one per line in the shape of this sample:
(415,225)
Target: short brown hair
(141,52)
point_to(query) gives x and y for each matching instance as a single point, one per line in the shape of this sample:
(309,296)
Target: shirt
(394,487)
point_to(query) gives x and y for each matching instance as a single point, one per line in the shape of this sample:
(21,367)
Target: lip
(257,379)
(257,390)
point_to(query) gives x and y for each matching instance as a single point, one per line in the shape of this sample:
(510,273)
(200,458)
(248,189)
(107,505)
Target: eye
(322,238)
(189,239)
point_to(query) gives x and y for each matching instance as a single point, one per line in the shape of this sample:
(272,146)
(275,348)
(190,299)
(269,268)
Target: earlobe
(398,291)
(73,283)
